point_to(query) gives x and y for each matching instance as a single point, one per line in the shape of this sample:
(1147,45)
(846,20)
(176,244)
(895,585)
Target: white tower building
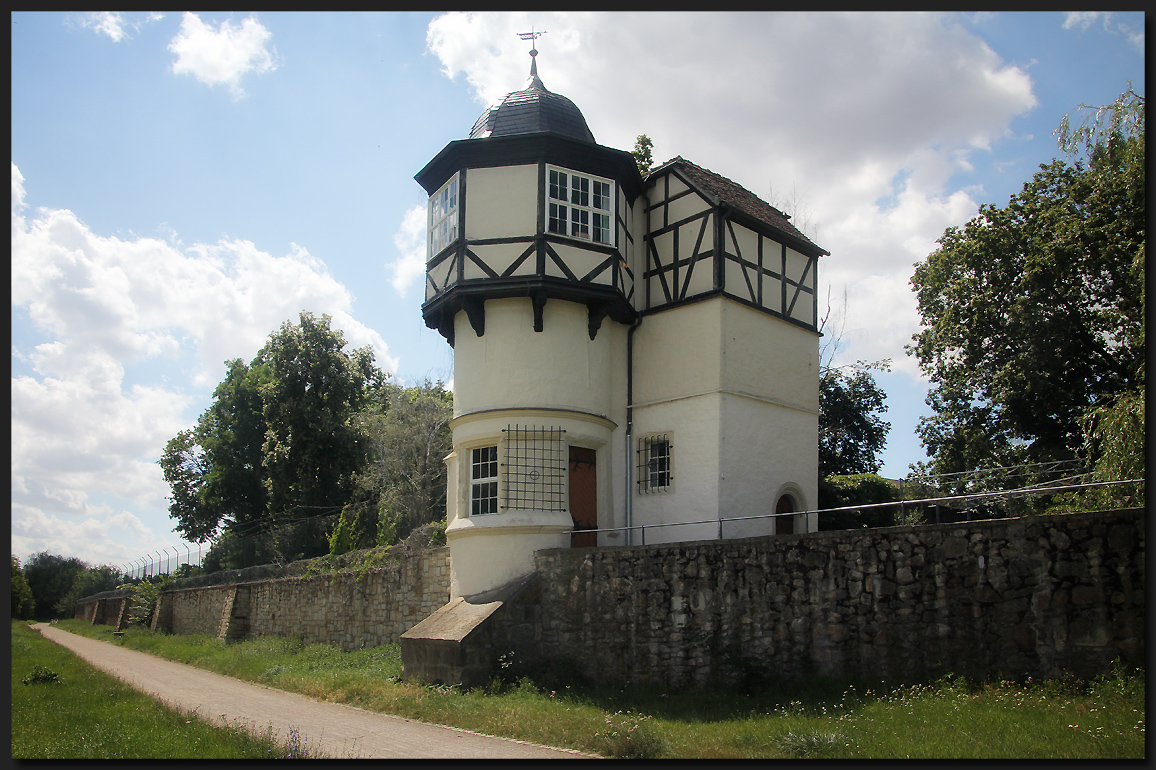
(628,352)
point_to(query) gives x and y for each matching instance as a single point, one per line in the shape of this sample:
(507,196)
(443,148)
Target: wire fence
(168,561)
(953,501)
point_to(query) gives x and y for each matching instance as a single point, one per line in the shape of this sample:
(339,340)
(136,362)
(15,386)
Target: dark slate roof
(533,110)
(723,190)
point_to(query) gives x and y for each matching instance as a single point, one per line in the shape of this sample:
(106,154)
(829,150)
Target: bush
(858,489)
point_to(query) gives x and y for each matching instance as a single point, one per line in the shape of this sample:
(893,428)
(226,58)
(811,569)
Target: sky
(183,184)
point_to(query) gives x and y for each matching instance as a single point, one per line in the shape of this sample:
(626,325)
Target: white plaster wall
(765,448)
(693,427)
(513,375)
(501,201)
(512,366)
(677,353)
(767,357)
(483,560)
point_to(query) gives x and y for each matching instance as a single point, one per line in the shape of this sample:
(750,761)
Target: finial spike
(532,36)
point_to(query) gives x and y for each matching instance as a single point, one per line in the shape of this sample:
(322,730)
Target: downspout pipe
(630,430)
(630,389)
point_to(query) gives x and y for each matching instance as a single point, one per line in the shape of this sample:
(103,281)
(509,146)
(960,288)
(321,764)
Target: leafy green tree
(215,470)
(277,450)
(851,432)
(312,447)
(92,580)
(409,438)
(23,605)
(643,153)
(50,577)
(1033,314)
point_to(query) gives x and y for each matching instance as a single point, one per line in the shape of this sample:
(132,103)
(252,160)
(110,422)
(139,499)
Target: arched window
(785,525)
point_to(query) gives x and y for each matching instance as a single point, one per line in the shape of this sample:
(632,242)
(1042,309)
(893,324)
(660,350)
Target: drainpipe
(630,389)
(630,430)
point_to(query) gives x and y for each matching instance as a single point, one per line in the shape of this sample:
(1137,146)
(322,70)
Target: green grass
(62,708)
(812,718)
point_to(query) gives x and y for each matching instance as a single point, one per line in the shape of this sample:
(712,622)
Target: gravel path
(335,729)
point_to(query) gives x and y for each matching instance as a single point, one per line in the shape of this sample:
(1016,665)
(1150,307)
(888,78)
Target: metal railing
(901,504)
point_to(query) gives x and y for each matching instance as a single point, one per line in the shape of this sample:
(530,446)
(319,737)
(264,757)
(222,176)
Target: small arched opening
(785,525)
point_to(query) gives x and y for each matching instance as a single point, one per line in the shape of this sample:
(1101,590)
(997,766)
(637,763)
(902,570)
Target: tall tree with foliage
(851,432)
(278,446)
(409,437)
(23,605)
(1033,314)
(51,577)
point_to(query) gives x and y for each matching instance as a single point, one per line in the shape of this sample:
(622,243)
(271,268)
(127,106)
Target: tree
(1032,315)
(278,448)
(409,437)
(216,470)
(91,580)
(50,577)
(643,153)
(312,449)
(23,605)
(851,432)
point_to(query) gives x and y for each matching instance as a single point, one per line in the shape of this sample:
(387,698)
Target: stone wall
(109,608)
(350,610)
(1031,596)
(347,609)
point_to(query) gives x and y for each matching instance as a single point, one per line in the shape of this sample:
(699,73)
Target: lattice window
(580,206)
(655,466)
(443,217)
(484,480)
(534,473)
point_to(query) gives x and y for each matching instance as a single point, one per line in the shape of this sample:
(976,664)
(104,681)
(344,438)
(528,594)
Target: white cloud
(1084,19)
(866,115)
(225,55)
(115,24)
(88,419)
(409,268)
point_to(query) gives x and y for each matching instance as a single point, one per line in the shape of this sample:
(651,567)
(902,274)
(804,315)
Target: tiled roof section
(533,110)
(726,191)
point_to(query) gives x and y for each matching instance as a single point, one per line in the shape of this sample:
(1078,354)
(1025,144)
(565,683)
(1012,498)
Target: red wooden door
(583,497)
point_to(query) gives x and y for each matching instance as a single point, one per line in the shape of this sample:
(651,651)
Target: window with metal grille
(534,473)
(655,469)
(484,480)
(579,206)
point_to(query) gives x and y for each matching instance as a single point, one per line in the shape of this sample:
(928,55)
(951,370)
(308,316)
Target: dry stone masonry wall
(346,609)
(1038,596)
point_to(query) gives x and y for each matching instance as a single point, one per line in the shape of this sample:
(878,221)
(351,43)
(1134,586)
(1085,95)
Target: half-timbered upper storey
(705,235)
(530,206)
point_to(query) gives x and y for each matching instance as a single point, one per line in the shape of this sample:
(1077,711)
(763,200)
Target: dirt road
(334,729)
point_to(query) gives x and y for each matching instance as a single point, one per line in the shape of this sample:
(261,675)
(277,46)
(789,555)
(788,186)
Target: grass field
(62,708)
(950,718)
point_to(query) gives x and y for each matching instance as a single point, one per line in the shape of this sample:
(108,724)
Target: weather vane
(532,36)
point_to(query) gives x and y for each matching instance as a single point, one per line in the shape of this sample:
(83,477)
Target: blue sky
(184,183)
